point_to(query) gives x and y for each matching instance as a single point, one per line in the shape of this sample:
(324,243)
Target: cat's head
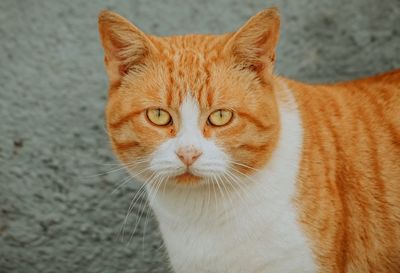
(195,108)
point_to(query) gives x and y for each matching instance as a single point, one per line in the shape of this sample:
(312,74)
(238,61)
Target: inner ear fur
(125,45)
(253,45)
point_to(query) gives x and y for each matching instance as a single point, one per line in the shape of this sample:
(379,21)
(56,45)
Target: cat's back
(362,109)
(349,179)
(380,94)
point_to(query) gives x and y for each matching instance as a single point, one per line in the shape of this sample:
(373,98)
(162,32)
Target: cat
(251,172)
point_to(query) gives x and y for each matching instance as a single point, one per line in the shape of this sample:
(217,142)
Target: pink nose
(188,154)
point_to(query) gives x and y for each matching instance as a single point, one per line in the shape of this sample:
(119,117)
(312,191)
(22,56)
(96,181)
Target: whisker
(139,194)
(226,189)
(240,185)
(237,182)
(209,193)
(122,167)
(243,165)
(106,164)
(128,179)
(215,194)
(224,197)
(144,206)
(161,180)
(125,181)
(221,191)
(236,190)
(245,175)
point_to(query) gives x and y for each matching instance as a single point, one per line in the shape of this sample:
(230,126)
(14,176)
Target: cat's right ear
(124,45)
(253,45)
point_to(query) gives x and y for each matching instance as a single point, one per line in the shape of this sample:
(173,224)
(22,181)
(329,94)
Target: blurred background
(61,209)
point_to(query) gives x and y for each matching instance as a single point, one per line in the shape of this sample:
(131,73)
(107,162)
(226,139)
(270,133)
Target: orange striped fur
(348,188)
(349,183)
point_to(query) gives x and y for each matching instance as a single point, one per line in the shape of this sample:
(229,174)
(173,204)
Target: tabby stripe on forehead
(206,86)
(170,84)
(124,119)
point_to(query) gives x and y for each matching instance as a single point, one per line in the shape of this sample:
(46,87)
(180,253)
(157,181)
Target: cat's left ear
(253,45)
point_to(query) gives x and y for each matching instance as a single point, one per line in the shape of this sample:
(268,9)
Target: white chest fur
(251,230)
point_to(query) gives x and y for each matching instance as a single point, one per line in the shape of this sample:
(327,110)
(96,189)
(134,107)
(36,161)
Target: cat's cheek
(151,136)
(131,151)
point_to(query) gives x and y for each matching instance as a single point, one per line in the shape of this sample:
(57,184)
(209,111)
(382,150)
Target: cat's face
(191,108)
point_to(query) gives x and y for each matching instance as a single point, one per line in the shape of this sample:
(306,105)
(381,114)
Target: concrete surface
(54,215)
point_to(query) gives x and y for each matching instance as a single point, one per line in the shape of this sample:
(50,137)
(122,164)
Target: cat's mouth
(187,178)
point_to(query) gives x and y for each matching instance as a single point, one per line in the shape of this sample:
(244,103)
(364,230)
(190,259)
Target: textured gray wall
(54,216)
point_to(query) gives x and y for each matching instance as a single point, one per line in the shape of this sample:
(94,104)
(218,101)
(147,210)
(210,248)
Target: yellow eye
(220,117)
(158,116)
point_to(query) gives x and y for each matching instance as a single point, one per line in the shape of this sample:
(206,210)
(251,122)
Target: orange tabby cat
(260,173)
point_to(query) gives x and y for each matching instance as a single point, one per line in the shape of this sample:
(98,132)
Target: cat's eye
(220,117)
(158,116)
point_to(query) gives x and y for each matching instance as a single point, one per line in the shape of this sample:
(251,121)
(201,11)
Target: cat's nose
(188,154)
